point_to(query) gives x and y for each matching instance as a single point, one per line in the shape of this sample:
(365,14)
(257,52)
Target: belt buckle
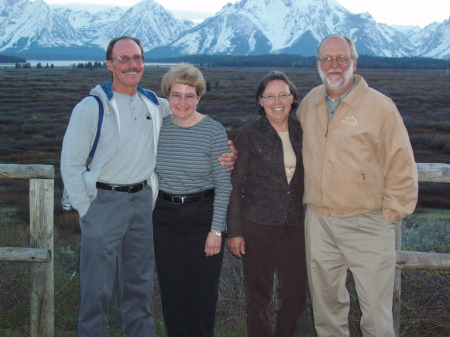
(177,199)
(135,188)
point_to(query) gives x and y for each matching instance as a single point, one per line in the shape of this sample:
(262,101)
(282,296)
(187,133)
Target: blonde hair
(183,73)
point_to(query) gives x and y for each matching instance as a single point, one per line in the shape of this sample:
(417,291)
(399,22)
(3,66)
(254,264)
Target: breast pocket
(265,159)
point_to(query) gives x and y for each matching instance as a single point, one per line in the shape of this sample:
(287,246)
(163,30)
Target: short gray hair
(354,54)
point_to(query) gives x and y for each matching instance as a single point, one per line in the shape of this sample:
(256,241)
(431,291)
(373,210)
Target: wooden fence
(439,173)
(41,252)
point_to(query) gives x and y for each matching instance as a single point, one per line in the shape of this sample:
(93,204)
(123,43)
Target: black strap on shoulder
(99,126)
(97,135)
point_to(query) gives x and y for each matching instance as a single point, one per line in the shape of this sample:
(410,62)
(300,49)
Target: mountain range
(248,27)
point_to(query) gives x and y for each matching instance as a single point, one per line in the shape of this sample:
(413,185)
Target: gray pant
(117,227)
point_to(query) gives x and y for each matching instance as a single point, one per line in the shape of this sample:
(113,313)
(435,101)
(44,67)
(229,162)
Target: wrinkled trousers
(188,279)
(365,245)
(117,228)
(274,250)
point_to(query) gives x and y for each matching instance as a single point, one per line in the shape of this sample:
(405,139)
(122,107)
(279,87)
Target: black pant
(189,280)
(270,249)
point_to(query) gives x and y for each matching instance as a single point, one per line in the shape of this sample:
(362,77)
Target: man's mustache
(337,70)
(131,70)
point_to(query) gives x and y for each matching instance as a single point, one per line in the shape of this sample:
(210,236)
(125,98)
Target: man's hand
(228,159)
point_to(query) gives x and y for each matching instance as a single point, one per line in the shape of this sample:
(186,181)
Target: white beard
(339,83)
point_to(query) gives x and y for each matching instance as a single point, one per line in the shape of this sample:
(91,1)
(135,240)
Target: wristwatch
(216,233)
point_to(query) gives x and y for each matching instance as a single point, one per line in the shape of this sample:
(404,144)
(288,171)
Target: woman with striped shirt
(190,212)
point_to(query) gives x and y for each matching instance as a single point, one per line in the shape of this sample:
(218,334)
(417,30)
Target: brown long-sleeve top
(261,192)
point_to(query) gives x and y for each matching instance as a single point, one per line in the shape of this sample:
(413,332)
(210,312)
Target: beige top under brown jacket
(362,160)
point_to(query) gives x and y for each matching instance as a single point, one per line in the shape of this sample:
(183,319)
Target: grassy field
(35,106)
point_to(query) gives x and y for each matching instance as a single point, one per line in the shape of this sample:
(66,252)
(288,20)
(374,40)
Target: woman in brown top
(265,214)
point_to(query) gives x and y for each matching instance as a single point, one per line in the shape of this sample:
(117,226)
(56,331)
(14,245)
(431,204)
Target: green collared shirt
(332,104)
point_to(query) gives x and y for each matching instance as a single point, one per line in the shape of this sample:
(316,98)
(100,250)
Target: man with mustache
(360,180)
(115,193)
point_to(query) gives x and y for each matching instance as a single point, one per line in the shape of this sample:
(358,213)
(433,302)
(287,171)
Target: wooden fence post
(42,322)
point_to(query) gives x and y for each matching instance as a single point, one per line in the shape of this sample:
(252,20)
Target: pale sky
(392,12)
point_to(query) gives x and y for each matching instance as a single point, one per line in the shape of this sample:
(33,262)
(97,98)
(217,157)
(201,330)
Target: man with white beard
(360,180)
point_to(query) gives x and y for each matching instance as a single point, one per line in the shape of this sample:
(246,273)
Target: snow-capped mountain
(27,26)
(295,27)
(148,21)
(433,40)
(24,24)
(248,27)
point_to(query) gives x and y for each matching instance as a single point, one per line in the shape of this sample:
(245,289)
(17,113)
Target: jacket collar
(353,98)
(107,88)
(264,124)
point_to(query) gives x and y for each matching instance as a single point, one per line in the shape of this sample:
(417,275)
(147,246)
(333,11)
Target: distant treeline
(11,59)
(297,61)
(279,60)
(90,65)
(85,65)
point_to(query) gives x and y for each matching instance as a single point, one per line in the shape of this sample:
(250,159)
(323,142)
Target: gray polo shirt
(133,161)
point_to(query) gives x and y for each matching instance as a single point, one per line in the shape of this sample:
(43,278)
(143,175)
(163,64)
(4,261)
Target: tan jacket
(362,160)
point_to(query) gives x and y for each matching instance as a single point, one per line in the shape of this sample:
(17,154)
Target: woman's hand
(237,246)
(213,243)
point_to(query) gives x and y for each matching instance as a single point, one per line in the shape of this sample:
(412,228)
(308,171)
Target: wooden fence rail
(432,172)
(428,172)
(41,252)
(14,254)
(417,260)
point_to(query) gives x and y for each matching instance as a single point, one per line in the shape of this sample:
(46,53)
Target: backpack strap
(99,127)
(65,202)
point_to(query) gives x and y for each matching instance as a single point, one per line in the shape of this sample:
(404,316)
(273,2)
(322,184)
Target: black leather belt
(122,188)
(182,199)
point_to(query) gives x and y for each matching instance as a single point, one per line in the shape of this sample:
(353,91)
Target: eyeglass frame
(340,60)
(179,97)
(280,97)
(124,59)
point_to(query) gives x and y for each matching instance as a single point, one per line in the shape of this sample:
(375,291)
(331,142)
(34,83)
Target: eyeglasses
(178,97)
(272,97)
(341,60)
(123,59)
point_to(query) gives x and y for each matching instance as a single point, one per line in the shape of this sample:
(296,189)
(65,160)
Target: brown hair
(275,75)
(125,37)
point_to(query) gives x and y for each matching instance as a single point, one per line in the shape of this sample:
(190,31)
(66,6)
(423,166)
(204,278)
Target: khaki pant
(365,244)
